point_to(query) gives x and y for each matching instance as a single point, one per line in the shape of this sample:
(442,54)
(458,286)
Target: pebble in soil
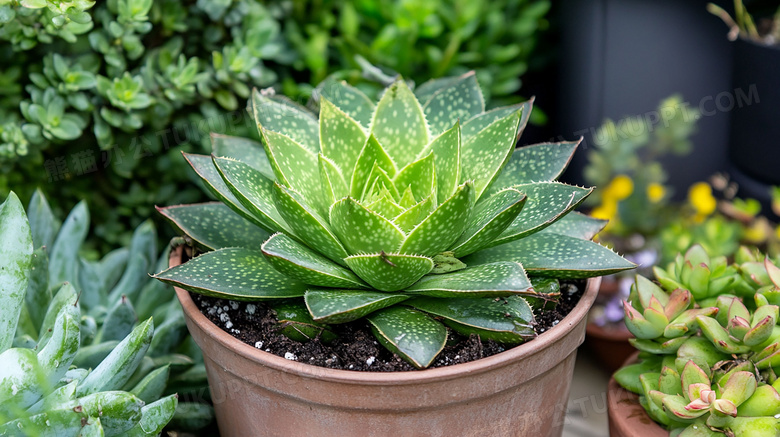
(356,348)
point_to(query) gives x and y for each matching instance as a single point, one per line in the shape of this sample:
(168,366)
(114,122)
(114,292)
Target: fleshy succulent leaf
(378,181)
(214,226)
(446,152)
(496,279)
(234,273)
(372,154)
(386,207)
(443,226)
(536,163)
(342,306)
(491,319)
(409,333)
(242,149)
(481,121)
(17,243)
(577,225)
(296,323)
(390,272)
(342,138)
(305,221)
(460,101)
(489,220)
(349,99)
(334,185)
(419,175)
(302,264)
(484,155)
(253,190)
(546,202)
(288,119)
(399,123)
(557,256)
(407,220)
(362,230)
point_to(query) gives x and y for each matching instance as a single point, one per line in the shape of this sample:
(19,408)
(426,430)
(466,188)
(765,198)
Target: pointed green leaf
(578,225)
(347,98)
(496,279)
(489,318)
(302,264)
(362,230)
(204,167)
(63,257)
(489,220)
(412,335)
(407,198)
(481,121)
(38,295)
(484,155)
(372,154)
(342,137)
(333,183)
(43,224)
(295,167)
(536,163)
(390,272)
(378,181)
(386,207)
(305,221)
(286,118)
(241,149)
(412,217)
(446,151)
(214,226)
(419,175)
(253,190)
(17,251)
(461,101)
(556,256)
(399,123)
(236,274)
(296,323)
(546,202)
(425,91)
(342,306)
(443,226)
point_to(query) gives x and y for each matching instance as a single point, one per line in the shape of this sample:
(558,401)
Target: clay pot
(609,346)
(520,392)
(626,417)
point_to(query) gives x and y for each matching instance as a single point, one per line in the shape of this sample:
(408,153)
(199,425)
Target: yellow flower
(619,188)
(605,211)
(757,232)
(701,198)
(655,192)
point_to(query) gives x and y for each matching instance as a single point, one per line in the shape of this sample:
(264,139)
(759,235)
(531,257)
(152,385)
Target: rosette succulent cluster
(708,367)
(414,212)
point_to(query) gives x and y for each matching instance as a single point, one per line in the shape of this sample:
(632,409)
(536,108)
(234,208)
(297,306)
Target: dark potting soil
(356,348)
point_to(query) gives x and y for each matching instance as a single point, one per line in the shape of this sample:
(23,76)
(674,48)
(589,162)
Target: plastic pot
(520,392)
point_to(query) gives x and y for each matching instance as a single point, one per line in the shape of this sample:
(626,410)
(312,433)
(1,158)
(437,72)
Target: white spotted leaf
(536,163)
(342,138)
(420,176)
(477,124)
(490,280)
(414,336)
(390,272)
(241,149)
(379,182)
(460,101)
(347,98)
(399,123)
(286,118)
(491,319)
(299,262)
(362,230)
(15,262)
(342,306)
(233,273)
(372,154)
(443,226)
(555,256)
(409,219)
(446,152)
(578,225)
(386,207)
(306,222)
(489,220)
(334,185)
(214,226)
(546,202)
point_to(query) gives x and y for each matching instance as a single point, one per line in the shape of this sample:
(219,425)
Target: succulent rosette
(415,212)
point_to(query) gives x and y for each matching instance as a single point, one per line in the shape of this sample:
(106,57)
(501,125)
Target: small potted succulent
(414,217)
(709,347)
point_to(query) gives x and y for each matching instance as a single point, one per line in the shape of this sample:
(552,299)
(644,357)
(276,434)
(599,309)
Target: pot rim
(385,378)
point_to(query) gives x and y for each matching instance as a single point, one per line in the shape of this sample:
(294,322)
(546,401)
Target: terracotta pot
(609,346)
(626,417)
(520,392)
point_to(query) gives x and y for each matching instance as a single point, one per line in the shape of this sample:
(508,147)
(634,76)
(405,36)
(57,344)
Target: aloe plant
(414,212)
(41,393)
(710,356)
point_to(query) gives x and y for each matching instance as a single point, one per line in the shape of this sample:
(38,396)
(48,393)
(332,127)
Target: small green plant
(743,25)
(41,393)
(710,345)
(415,212)
(107,297)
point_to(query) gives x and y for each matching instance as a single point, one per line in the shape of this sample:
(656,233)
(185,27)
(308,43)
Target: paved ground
(586,414)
